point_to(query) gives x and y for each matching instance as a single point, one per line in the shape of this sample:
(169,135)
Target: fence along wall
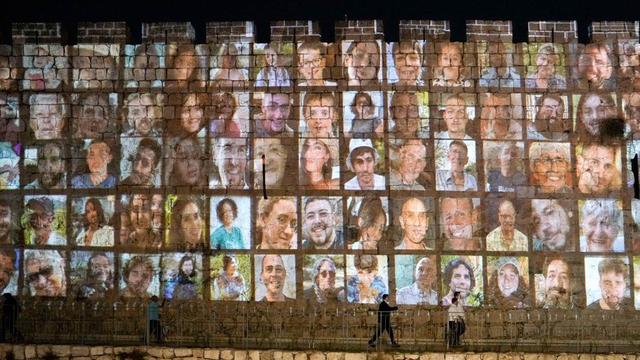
(414,168)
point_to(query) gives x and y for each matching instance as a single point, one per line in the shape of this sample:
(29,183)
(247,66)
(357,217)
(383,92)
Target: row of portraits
(540,66)
(350,114)
(511,281)
(328,223)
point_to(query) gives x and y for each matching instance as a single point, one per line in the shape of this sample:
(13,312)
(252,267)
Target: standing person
(10,309)
(456,321)
(384,322)
(153,313)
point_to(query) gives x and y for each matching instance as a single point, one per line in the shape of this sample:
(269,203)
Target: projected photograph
(508,285)
(460,227)
(139,275)
(629,63)
(228,114)
(455,116)
(140,65)
(10,212)
(276,223)
(367,278)
(320,113)
(141,220)
(275,277)
(92,275)
(558,282)
(185,163)
(92,221)
(416,280)
(143,114)
(140,161)
(408,114)
(317,63)
(413,223)
(319,164)
(94,164)
(230,165)
(185,222)
(181,276)
(595,68)
(229,65)
(456,168)
(607,283)
(322,223)
(44,166)
(405,63)
(46,67)
(324,279)
(550,167)
(548,117)
(362,62)
(11,124)
(365,165)
(500,64)
(187,114)
(462,274)
(453,64)
(279,159)
(95,67)
(44,273)
(410,164)
(48,116)
(9,166)
(44,220)
(601,225)
(591,112)
(501,116)
(10,260)
(273,64)
(504,166)
(363,114)
(506,221)
(229,230)
(231,278)
(545,64)
(367,219)
(274,114)
(93,115)
(599,168)
(553,226)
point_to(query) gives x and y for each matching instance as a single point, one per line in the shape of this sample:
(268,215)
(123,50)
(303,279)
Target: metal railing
(338,328)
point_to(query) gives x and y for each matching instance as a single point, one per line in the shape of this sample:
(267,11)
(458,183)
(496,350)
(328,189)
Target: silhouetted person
(456,321)
(153,313)
(10,310)
(384,321)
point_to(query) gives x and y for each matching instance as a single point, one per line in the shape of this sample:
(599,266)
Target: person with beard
(324,290)
(137,275)
(456,178)
(551,226)
(549,164)
(411,160)
(47,116)
(99,156)
(366,123)
(507,287)
(450,71)
(458,277)
(598,169)
(558,284)
(508,176)
(230,285)
(230,161)
(458,219)
(51,167)
(142,112)
(593,110)
(596,67)
(404,110)
(361,63)
(144,164)
(140,217)
(601,226)
(506,237)
(222,123)
(545,76)
(7,267)
(277,223)
(186,231)
(362,160)
(422,291)
(549,122)
(407,61)
(273,275)
(95,230)
(275,111)
(185,288)
(371,224)
(93,115)
(319,228)
(41,220)
(186,165)
(227,236)
(614,274)
(366,286)
(7,220)
(98,282)
(414,224)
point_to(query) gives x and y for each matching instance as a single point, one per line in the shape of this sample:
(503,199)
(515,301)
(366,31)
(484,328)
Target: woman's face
(315,156)
(371,235)
(192,116)
(508,280)
(224,108)
(187,267)
(227,214)
(366,276)
(188,163)
(231,267)
(191,224)
(90,213)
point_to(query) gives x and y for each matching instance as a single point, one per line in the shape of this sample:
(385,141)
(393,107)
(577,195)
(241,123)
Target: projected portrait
(185,219)
(44,273)
(93,220)
(324,278)
(186,162)
(143,114)
(228,230)
(92,275)
(362,62)
(185,114)
(320,113)
(601,225)
(93,164)
(456,165)
(607,283)
(367,221)
(416,279)
(46,67)
(631,114)
(315,61)
(322,223)
(277,223)
(460,223)
(629,66)
(48,115)
(549,166)
(9,269)
(410,165)
(595,67)
(229,114)
(456,113)
(552,222)
(367,278)
(231,278)
(319,164)
(593,110)
(44,220)
(504,166)
(11,124)
(462,274)
(229,163)
(363,114)
(497,61)
(413,223)
(599,168)
(505,223)
(141,220)
(229,65)
(275,277)
(141,63)
(9,166)
(271,161)
(186,66)
(636,281)
(274,62)
(274,116)
(93,115)
(10,211)
(409,114)
(404,63)
(548,117)
(501,116)
(451,65)
(364,161)
(181,276)
(635,225)
(139,276)
(558,282)
(140,160)
(508,282)
(545,66)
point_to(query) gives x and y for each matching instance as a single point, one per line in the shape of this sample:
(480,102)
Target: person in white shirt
(456,321)
(362,160)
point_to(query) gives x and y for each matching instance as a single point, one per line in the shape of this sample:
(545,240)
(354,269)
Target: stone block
(315,356)
(254,355)
(167,353)
(300,356)
(211,354)
(156,352)
(96,350)
(80,351)
(335,356)
(226,355)
(355,356)
(29,351)
(182,352)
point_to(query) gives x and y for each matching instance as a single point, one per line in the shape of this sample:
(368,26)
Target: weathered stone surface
(80,351)
(182,352)
(211,354)
(167,353)
(355,356)
(226,355)
(155,352)
(335,356)
(96,350)
(240,355)
(300,356)
(315,356)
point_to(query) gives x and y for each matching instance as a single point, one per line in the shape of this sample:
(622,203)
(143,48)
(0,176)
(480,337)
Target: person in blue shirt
(99,156)
(227,236)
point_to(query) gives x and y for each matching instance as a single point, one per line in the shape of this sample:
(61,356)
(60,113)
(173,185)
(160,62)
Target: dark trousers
(8,328)
(155,330)
(381,328)
(454,334)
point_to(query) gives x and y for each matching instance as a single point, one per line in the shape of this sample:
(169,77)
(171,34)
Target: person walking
(384,322)
(456,320)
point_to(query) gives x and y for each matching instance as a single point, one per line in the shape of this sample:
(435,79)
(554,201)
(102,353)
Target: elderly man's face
(455,115)
(551,225)
(413,160)
(46,119)
(275,161)
(595,109)
(550,170)
(139,280)
(413,221)
(612,286)
(320,115)
(231,161)
(546,61)
(363,165)
(507,216)
(100,268)
(600,231)
(326,279)
(458,158)
(5,222)
(498,111)
(363,62)
(407,63)
(508,280)
(425,273)
(406,114)
(557,282)
(550,113)
(457,218)
(39,277)
(598,171)
(460,281)
(273,274)
(311,64)
(594,64)
(98,158)
(318,223)
(50,165)
(280,225)
(6,271)
(632,112)
(275,110)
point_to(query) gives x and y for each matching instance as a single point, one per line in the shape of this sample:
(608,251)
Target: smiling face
(363,62)
(598,171)
(318,223)
(455,116)
(460,281)
(549,117)
(191,115)
(279,227)
(593,111)
(273,274)
(550,224)
(187,166)
(550,170)
(231,161)
(414,221)
(275,161)
(100,268)
(594,64)
(457,220)
(425,273)
(315,156)
(557,283)
(407,63)
(508,280)
(275,110)
(326,279)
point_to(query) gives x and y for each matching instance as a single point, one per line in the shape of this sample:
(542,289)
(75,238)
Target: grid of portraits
(323,173)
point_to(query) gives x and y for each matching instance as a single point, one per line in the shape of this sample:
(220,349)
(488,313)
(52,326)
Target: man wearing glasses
(275,114)
(144,163)
(312,64)
(44,273)
(277,223)
(550,163)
